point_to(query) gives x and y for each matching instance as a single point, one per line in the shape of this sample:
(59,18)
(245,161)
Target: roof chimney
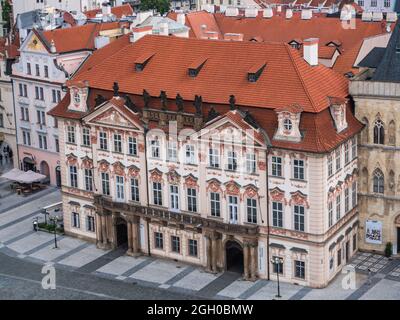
(53,48)
(232,12)
(310,51)
(140,32)
(391,17)
(366,16)
(251,12)
(180,18)
(106,8)
(289,13)
(268,13)
(163,29)
(306,14)
(233,36)
(377,16)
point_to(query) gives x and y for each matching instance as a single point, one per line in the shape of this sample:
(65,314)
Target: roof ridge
(290,52)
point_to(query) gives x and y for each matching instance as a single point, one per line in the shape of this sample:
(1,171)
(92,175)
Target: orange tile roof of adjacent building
(280,29)
(75,38)
(286,79)
(124,10)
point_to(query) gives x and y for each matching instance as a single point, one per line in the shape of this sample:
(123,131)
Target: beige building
(281,183)
(376,92)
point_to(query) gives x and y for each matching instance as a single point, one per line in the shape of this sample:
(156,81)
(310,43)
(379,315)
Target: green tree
(6,14)
(162,6)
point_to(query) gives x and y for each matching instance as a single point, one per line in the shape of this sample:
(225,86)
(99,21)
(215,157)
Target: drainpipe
(266,170)
(146,130)
(15,124)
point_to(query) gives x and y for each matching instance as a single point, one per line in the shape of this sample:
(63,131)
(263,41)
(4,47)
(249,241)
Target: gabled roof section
(119,11)
(388,69)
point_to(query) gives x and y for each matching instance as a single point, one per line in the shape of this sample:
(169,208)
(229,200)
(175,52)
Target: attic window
(255,72)
(195,67)
(141,62)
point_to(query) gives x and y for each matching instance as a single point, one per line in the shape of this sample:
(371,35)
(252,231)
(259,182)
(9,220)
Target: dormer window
(140,63)
(78,94)
(255,72)
(77,98)
(195,67)
(338,112)
(289,124)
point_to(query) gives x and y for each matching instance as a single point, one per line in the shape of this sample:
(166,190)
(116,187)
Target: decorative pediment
(78,96)
(173,177)
(277,194)
(87,163)
(104,165)
(299,198)
(232,188)
(112,116)
(156,175)
(71,159)
(214,185)
(191,181)
(133,171)
(118,168)
(250,191)
(35,44)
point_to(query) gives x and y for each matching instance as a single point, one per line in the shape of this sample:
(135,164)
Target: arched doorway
(58,176)
(28,164)
(6,156)
(44,169)
(122,233)
(234,256)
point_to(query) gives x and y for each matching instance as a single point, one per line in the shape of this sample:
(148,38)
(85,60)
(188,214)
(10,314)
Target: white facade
(377,5)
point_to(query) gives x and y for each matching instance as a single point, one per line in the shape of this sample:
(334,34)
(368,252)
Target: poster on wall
(373,233)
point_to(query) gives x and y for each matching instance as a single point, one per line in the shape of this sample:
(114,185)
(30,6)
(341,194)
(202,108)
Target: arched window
(379,132)
(392,133)
(378,181)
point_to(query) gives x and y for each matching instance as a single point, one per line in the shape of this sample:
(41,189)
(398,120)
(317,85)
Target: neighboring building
(8,142)
(342,44)
(376,93)
(283,184)
(108,13)
(183,5)
(377,5)
(47,59)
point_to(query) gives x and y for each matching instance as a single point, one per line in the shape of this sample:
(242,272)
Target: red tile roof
(287,80)
(124,10)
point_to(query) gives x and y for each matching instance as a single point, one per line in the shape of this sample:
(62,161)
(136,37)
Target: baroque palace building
(281,183)
(376,92)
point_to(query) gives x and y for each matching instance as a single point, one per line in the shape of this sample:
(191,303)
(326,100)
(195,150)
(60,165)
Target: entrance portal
(122,235)
(234,257)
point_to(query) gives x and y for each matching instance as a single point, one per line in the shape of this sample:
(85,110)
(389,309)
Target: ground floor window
(339,257)
(158,240)
(355,242)
(331,263)
(192,248)
(90,224)
(278,267)
(175,244)
(75,220)
(299,269)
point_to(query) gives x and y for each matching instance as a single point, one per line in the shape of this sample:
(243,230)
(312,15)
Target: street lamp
(54,219)
(277,261)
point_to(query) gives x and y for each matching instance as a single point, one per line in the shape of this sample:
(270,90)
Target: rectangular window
(232,160)
(251,210)
(132,146)
(41,117)
(172,151)
(354,242)
(135,190)
(157,193)
(330,213)
(354,194)
(37,70)
(57,144)
(346,200)
(28,68)
(90,225)
(103,141)
(25,92)
(117,143)
(158,240)
(353,147)
(276,169)
(73,176)
(86,136)
(70,134)
(250,163)
(215,204)
(300,269)
(1,120)
(277,267)
(155,148)
(75,220)
(346,153)
(338,162)
(338,207)
(105,183)
(233,209)
(339,257)
(56,95)
(26,135)
(277,214)
(175,244)
(46,71)
(298,218)
(189,154)
(192,244)
(386,3)
(39,93)
(330,165)
(374,3)
(174,197)
(119,183)
(88,180)
(298,169)
(42,141)
(192,199)
(213,157)
(24,114)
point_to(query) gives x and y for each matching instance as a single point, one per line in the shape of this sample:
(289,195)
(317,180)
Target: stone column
(129,227)
(135,235)
(99,235)
(208,253)
(246,261)
(253,262)
(214,249)
(104,230)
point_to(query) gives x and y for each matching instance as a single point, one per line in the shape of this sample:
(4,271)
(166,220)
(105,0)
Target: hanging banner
(373,233)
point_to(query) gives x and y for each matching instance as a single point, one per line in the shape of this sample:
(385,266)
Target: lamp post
(277,261)
(54,219)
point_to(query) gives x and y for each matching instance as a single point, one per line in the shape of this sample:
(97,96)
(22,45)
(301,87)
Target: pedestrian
(369,276)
